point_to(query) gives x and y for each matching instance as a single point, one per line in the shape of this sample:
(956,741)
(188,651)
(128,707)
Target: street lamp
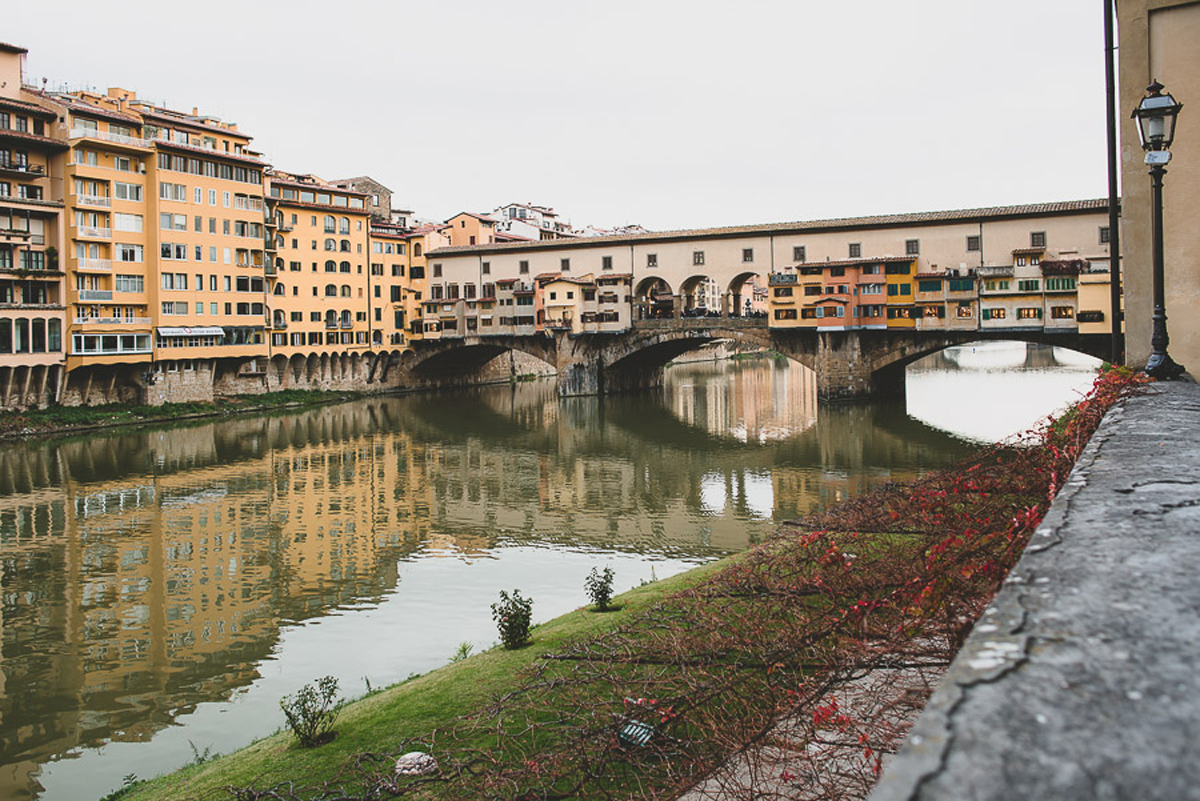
(1156,116)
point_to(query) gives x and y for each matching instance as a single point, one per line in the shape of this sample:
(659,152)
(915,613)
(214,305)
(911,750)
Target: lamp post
(1156,116)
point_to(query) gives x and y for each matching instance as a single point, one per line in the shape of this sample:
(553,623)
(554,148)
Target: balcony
(93,232)
(270,269)
(347,324)
(113,321)
(331,323)
(95,294)
(98,201)
(112,138)
(22,168)
(94,265)
(279,323)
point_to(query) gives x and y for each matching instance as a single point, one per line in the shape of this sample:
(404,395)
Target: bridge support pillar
(846,367)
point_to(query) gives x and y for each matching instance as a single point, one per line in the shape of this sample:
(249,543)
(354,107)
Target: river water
(162,588)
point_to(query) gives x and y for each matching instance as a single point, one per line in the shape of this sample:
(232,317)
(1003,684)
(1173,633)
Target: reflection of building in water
(751,405)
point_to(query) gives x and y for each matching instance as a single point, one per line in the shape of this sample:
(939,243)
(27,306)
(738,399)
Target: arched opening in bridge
(747,295)
(700,296)
(496,361)
(654,300)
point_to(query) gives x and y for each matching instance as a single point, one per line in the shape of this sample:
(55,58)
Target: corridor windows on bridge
(747,254)
(799,253)
(485,268)
(698,257)
(974,243)
(912,247)
(564,265)
(856,250)
(1105,235)
(651,259)
(437,271)
(1037,239)
(606,263)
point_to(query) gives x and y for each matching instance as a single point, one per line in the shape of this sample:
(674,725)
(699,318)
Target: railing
(22,167)
(95,294)
(279,323)
(331,323)
(113,320)
(103,201)
(270,269)
(347,323)
(95,265)
(95,231)
(107,136)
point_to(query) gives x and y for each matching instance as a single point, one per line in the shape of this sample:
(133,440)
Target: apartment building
(32,302)
(319,287)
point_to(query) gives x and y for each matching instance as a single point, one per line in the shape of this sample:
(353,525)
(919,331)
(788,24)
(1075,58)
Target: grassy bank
(801,628)
(405,712)
(72,418)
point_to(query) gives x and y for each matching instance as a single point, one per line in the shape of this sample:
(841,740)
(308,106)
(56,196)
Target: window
(1028,285)
(129,283)
(1060,283)
(123,191)
(485,268)
(437,271)
(787,314)
(565,265)
(964,311)
(698,257)
(1105,235)
(856,250)
(172,222)
(799,253)
(974,243)
(962,284)
(912,247)
(929,286)
(1029,313)
(747,254)
(606,263)
(173,251)
(129,253)
(523,267)
(1062,312)
(651,259)
(168,191)
(174,280)
(809,291)
(1037,239)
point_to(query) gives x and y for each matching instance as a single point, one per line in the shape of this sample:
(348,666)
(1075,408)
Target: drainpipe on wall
(1114,199)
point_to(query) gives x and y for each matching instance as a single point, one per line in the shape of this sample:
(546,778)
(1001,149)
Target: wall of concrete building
(1158,40)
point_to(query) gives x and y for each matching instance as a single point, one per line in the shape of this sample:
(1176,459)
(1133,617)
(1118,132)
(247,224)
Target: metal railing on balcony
(94,265)
(95,294)
(23,167)
(101,201)
(113,321)
(107,136)
(95,232)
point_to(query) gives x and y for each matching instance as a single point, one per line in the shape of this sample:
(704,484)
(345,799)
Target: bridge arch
(740,292)
(700,296)
(654,299)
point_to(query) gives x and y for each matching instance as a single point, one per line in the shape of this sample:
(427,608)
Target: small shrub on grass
(599,586)
(464,650)
(512,614)
(312,711)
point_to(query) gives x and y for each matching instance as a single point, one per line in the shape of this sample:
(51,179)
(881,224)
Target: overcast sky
(667,114)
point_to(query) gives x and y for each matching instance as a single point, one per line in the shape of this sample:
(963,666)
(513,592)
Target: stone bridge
(848,364)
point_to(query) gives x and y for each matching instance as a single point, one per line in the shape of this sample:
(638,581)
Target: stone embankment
(1081,680)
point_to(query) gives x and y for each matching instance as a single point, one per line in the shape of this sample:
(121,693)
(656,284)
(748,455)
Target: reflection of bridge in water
(145,572)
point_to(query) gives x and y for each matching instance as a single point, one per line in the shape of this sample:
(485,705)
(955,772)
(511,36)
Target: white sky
(668,114)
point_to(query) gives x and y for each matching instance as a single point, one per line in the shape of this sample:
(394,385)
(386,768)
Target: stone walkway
(1082,680)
